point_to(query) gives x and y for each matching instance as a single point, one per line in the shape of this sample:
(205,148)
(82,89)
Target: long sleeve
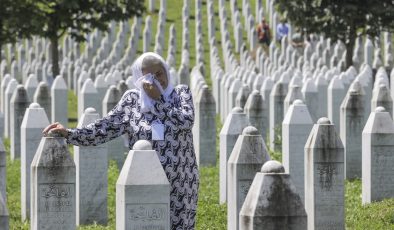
(107,128)
(180,116)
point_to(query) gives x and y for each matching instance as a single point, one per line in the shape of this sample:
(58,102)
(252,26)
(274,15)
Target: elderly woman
(162,114)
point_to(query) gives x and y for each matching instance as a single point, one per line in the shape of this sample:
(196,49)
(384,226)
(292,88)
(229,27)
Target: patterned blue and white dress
(176,151)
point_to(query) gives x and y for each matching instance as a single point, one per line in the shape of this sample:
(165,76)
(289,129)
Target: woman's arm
(107,128)
(182,116)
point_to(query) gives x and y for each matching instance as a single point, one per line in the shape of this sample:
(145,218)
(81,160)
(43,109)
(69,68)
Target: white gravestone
(378,157)
(277,98)
(7,101)
(53,186)
(91,168)
(335,94)
(31,86)
(34,121)
(88,97)
(247,157)
(324,177)
(296,127)
(352,124)
(142,191)
(59,102)
(205,127)
(321,85)
(4,83)
(242,96)
(273,201)
(235,122)
(42,96)
(19,103)
(115,146)
(381,97)
(254,109)
(293,94)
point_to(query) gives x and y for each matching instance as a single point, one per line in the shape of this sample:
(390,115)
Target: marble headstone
(247,157)
(142,187)
(378,157)
(91,184)
(34,121)
(273,202)
(324,177)
(53,192)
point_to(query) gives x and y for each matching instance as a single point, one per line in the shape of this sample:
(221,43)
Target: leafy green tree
(15,21)
(340,19)
(79,17)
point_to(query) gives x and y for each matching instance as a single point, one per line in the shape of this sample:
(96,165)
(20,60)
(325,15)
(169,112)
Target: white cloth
(138,79)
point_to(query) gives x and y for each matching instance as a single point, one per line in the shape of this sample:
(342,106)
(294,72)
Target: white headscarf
(138,79)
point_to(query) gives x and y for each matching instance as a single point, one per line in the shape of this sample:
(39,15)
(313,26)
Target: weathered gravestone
(34,121)
(277,98)
(335,94)
(59,102)
(235,122)
(381,97)
(352,124)
(378,157)
(273,202)
(142,191)
(91,168)
(205,127)
(53,186)
(296,127)
(242,96)
(42,96)
(19,103)
(247,157)
(255,111)
(324,177)
(115,146)
(4,215)
(293,94)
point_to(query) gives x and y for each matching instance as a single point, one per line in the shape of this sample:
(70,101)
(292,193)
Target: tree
(15,21)
(79,17)
(340,19)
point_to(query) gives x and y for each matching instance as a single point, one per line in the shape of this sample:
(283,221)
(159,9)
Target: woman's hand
(57,128)
(152,91)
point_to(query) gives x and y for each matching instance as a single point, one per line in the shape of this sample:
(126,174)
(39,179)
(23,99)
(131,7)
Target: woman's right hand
(57,128)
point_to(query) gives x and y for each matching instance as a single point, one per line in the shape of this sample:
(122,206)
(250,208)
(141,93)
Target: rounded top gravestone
(380,109)
(272,167)
(250,131)
(237,110)
(142,145)
(324,121)
(90,110)
(34,105)
(298,102)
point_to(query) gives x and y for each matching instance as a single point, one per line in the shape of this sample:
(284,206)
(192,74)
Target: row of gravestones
(31,130)
(314,158)
(66,194)
(342,108)
(55,179)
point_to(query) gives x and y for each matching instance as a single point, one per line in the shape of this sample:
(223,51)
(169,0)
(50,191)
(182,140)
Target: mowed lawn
(210,214)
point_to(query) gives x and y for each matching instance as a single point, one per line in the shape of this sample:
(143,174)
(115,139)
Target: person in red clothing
(263,33)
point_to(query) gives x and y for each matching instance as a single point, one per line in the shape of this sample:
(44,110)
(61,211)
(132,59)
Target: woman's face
(157,69)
